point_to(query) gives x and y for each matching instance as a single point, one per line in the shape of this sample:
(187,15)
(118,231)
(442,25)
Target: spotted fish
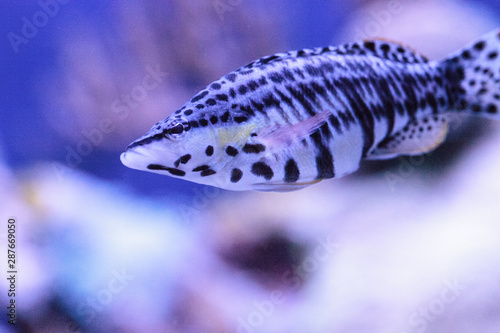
(290,120)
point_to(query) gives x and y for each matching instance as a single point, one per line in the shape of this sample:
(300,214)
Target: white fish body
(290,120)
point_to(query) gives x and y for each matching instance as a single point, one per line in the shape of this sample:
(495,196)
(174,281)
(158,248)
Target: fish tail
(473,75)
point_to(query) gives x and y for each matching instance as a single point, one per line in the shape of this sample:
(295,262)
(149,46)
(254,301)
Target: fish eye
(176,129)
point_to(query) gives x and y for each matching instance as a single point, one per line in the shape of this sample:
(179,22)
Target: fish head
(194,148)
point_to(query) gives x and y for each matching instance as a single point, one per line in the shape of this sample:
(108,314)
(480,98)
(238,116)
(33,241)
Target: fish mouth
(133,159)
(142,157)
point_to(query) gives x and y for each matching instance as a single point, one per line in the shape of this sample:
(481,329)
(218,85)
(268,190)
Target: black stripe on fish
(288,101)
(173,171)
(199,96)
(253,148)
(201,168)
(207,172)
(261,169)
(271,101)
(292,172)
(236,175)
(361,112)
(324,159)
(388,103)
(302,100)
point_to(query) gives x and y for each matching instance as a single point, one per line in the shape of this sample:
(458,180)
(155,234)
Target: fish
(290,120)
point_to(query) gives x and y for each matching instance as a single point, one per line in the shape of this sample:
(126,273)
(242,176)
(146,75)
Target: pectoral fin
(418,137)
(285,135)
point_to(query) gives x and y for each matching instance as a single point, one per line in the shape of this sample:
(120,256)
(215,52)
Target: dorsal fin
(382,48)
(379,47)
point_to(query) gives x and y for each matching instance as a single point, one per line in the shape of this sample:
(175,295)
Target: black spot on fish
(264,61)
(232,92)
(258,106)
(184,159)
(242,89)
(261,169)
(275,77)
(292,172)
(207,172)
(236,175)
(203,122)
(231,77)
(325,50)
(225,117)
(247,109)
(253,85)
(253,148)
(493,55)
(201,168)
(200,106)
(480,45)
(175,172)
(262,81)
(231,151)
(215,86)
(214,120)
(466,55)
(370,46)
(188,112)
(249,71)
(385,47)
(209,151)
(194,124)
(199,96)
(211,102)
(240,120)
(476,107)
(492,109)
(222,97)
